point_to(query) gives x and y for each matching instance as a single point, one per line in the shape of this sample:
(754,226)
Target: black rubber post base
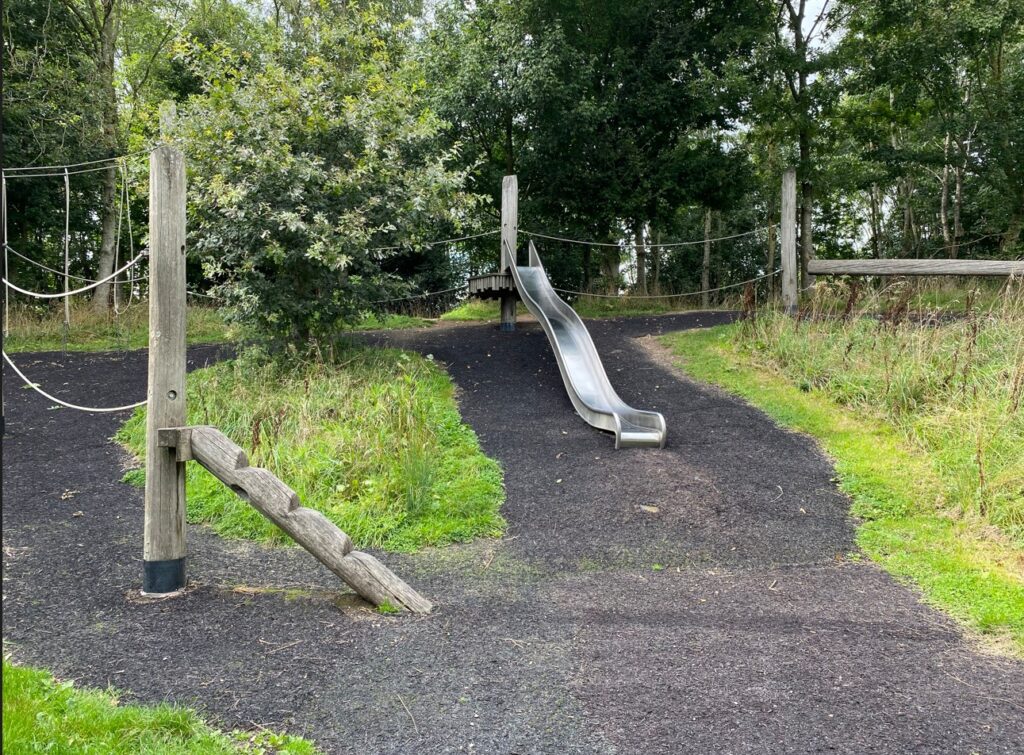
(163,576)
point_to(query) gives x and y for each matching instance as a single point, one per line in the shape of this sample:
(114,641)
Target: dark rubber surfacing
(699,598)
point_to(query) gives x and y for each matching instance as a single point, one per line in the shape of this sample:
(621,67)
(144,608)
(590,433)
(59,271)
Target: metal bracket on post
(509,244)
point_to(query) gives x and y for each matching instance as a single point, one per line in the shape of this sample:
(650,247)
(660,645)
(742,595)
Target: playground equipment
(170,444)
(583,374)
(582,371)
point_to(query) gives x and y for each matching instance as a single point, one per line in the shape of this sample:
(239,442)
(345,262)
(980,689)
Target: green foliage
(925,517)
(309,157)
(372,438)
(43,715)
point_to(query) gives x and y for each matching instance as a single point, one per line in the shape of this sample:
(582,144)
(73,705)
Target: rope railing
(549,237)
(41,392)
(83,289)
(426,295)
(433,243)
(102,163)
(669,296)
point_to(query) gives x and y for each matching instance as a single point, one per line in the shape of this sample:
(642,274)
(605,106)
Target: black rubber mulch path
(729,619)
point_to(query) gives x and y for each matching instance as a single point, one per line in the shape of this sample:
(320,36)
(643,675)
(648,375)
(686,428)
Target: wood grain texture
(509,244)
(307,527)
(790,294)
(916,267)
(164,528)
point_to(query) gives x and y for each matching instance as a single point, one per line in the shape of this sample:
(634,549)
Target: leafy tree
(313,164)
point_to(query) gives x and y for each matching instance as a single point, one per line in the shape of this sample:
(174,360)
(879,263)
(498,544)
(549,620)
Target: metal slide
(582,372)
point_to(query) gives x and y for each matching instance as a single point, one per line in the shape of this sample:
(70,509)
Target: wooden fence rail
(915,267)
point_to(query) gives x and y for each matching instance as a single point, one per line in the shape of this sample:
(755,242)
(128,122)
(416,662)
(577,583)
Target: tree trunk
(656,265)
(105,63)
(705,270)
(770,266)
(958,199)
(587,281)
(908,217)
(876,222)
(947,236)
(641,257)
(806,210)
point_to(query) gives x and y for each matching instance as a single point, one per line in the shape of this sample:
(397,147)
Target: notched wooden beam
(178,438)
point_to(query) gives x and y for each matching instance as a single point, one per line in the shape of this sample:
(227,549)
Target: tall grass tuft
(41,328)
(370,437)
(951,380)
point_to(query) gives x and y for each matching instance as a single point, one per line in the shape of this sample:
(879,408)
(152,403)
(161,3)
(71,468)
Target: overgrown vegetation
(42,329)
(923,416)
(43,715)
(370,437)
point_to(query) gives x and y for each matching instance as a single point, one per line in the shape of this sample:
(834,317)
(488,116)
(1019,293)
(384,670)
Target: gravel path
(697,598)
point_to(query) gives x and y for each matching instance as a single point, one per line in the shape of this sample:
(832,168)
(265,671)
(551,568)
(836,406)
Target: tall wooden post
(164,540)
(788,239)
(509,241)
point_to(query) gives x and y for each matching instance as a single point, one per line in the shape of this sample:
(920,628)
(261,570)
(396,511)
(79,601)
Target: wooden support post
(164,540)
(788,227)
(280,504)
(509,244)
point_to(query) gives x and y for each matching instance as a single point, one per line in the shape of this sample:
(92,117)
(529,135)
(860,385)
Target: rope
(421,296)
(30,168)
(618,246)
(93,285)
(7,294)
(434,243)
(669,296)
(67,246)
(40,265)
(41,392)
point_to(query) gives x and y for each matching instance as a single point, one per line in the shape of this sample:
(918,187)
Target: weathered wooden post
(163,569)
(788,237)
(509,241)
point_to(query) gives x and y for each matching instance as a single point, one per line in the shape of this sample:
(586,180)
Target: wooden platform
(491,285)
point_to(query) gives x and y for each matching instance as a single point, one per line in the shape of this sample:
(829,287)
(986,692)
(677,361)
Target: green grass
(373,321)
(475,310)
(898,447)
(43,715)
(34,329)
(372,438)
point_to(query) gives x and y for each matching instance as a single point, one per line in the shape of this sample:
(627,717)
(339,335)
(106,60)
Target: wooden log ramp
(280,504)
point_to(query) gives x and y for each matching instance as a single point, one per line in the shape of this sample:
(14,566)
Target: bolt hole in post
(171,395)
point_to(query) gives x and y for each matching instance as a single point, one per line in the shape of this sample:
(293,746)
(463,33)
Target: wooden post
(164,540)
(509,244)
(788,228)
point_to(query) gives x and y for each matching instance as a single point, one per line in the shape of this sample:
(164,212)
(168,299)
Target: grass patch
(42,329)
(373,439)
(476,310)
(376,321)
(43,715)
(904,440)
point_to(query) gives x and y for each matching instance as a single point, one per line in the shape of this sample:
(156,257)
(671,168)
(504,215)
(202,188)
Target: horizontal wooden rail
(280,504)
(915,267)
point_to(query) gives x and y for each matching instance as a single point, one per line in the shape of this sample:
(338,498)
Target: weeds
(370,437)
(42,328)
(950,384)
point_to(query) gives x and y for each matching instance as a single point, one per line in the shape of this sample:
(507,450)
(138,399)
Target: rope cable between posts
(650,245)
(37,295)
(421,296)
(28,169)
(41,392)
(433,243)
(669,296)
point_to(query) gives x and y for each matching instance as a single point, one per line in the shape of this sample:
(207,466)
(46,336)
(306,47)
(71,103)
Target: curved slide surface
(582,371)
